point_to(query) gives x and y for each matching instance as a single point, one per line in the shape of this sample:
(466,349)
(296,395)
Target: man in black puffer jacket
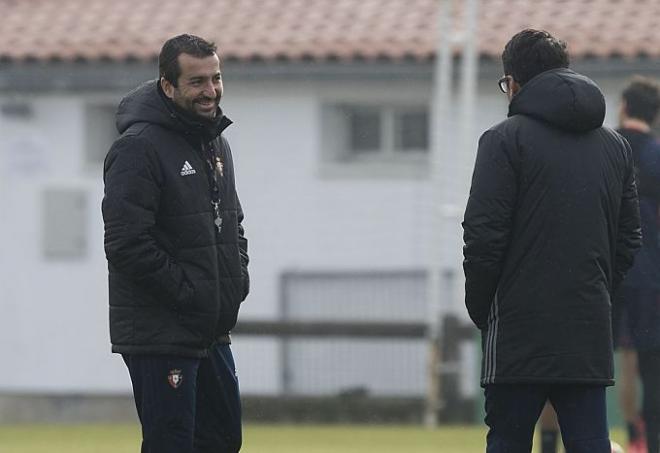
(551,227)
(177,254)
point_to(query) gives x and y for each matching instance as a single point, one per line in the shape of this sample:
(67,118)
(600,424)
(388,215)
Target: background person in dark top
(550,229)
(638,313)
(639,107)
(177,253)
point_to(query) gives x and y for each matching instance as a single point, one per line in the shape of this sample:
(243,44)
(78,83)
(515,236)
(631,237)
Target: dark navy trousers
(187,405)
(512,411)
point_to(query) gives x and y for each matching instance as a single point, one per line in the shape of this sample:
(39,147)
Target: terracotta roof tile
(317,29)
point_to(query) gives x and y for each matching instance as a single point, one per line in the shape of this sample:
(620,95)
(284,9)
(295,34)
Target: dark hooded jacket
(551,227)
(176,281)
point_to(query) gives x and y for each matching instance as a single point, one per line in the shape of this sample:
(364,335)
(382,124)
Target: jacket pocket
(231,296)
(186,294)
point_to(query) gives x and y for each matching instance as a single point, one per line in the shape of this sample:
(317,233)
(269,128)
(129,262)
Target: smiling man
(177,254)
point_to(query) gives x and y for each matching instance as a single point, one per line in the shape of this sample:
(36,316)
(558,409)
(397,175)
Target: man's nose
(209,90)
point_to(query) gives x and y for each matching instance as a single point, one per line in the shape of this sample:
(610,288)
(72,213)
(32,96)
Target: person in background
(628,379)
(638,310)
(550,229)
(177,253)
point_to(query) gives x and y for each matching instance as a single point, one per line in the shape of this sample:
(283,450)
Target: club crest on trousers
(175,378)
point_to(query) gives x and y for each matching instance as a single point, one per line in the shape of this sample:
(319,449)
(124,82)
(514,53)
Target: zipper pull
(219,166)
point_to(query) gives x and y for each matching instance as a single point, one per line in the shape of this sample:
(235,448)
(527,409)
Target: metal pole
(440,114)
(467,141)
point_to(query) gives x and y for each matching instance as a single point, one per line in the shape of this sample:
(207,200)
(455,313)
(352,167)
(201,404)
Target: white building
(331,143)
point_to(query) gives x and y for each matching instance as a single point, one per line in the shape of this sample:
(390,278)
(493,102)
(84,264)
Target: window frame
(388,150)
(90,138)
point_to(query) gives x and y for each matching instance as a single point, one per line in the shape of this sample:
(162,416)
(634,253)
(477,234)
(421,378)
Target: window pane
(412,131)
(17,110)
(365,130)
(100,131)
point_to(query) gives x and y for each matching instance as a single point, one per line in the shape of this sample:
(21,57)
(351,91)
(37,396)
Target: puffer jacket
(550,229)
(176,281)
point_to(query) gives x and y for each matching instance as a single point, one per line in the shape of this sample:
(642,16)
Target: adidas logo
(187,169)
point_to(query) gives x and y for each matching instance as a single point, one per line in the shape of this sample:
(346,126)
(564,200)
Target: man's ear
(167,87)
(623,110)
(514,87)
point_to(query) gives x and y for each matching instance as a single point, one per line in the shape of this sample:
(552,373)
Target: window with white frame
(375,139)
(384,132)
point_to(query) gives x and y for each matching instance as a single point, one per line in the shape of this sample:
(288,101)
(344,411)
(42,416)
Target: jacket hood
(563,98)
(148,104)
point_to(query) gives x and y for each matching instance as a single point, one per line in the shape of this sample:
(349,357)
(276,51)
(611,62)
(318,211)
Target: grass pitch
(257,439)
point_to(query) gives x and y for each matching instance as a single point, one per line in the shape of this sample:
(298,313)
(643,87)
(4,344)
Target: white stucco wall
(54,328)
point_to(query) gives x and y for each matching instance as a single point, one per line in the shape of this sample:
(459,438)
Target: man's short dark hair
(168,60)
(531,52)
(642,97)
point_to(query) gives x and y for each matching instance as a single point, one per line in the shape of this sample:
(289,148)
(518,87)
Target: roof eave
(48,76)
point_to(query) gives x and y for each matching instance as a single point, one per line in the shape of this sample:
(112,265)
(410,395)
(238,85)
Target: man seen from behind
(550,229)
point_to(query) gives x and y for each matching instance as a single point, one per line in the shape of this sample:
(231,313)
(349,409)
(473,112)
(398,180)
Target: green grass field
(257,439)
